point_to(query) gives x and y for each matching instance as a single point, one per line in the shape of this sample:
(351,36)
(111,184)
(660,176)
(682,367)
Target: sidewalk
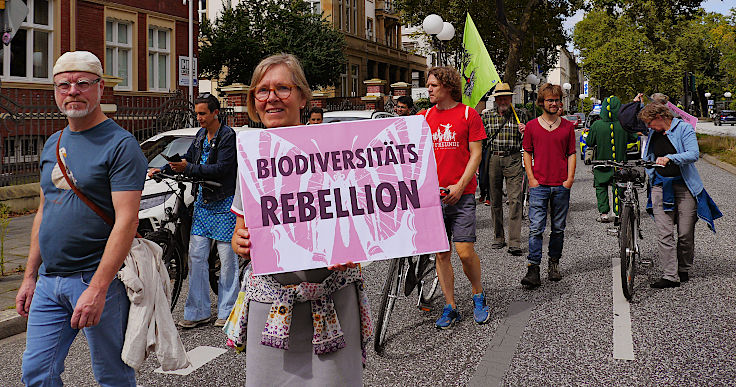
(17,242)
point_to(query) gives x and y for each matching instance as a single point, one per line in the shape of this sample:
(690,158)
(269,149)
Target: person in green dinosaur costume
(609,140)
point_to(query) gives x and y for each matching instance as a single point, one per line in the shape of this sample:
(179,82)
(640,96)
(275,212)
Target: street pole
(191,52)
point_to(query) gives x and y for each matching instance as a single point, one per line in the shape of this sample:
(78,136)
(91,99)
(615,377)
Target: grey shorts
(460,219)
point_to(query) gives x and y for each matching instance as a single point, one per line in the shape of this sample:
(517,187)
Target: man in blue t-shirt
(74,253)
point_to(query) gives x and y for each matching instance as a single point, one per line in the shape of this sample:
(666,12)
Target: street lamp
(707,95)
(727,94)
(567,86)
(434,26)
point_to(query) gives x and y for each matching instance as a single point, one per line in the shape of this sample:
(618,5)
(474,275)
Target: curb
(11,323)
(723,165)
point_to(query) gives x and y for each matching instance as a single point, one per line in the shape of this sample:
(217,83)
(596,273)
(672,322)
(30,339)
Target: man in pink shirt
(549,159)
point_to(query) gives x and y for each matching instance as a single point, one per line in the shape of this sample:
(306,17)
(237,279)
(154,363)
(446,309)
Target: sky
(720,6)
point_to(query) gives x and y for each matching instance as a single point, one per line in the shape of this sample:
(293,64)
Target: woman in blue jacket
(677,197)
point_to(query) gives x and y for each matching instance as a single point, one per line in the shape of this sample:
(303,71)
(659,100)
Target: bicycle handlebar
(184,179)
(626,164)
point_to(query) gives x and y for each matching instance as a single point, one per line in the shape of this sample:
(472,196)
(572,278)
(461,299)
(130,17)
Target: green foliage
(537,44)
(252,30)
(422,103)
(647,47)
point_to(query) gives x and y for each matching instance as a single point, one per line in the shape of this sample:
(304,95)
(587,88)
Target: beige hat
(502,89)
(78,61)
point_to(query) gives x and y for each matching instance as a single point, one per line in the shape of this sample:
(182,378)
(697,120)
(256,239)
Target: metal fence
(28,118)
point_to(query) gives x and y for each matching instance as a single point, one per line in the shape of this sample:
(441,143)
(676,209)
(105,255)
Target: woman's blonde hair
(654,110)
(297,75)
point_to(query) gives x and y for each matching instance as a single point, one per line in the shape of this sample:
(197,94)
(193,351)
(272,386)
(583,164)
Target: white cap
(84,61)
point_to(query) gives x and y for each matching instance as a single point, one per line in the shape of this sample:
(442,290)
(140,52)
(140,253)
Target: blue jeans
(49,333)
(557,198)
(198,304)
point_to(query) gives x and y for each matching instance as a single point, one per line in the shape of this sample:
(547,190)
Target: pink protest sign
(358,191)
(685,117)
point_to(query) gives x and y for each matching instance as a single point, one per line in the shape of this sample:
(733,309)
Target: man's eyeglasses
(82,85)
(204,95)
(555,101)
(281,92)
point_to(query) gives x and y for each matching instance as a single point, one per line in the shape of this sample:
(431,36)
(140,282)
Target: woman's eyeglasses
(281,92)
(82,85)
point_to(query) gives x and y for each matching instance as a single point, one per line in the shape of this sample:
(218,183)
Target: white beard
(75,113)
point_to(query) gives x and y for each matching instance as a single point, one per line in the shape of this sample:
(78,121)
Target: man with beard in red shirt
(457,132)
(549,159)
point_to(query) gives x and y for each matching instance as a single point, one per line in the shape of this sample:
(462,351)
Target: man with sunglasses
(74,253)
(212,157)
(549,159)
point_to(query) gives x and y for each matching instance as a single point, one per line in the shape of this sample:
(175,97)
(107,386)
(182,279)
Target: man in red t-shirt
(549,159)
(457,132)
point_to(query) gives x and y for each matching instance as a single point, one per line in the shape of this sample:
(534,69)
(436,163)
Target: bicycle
(423,278)
(172,234)
(628,178)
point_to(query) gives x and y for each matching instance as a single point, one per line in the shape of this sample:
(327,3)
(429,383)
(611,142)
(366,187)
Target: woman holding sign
(305,327)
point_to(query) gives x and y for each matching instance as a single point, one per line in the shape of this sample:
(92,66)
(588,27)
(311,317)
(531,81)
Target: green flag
(479,73)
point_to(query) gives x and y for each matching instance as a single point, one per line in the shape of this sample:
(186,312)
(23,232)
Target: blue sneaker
(448,318)
(481,312)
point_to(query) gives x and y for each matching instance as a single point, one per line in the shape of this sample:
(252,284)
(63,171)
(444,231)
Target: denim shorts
(460,219)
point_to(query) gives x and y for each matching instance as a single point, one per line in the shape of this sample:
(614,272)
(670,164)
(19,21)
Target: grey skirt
(267,366)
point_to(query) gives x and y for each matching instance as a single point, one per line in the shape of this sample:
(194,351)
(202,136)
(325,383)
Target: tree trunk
(512,62)
(515,36)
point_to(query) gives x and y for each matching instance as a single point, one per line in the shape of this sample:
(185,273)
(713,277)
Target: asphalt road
(681,336)
(707,127)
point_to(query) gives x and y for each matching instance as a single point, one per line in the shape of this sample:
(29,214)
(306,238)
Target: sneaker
(448,318)
(481,312)
(684,276)
(487,202)
(531,280)
(220,322)
(664,283)
(189,324)
(515,251)
(603,218)
(498,245)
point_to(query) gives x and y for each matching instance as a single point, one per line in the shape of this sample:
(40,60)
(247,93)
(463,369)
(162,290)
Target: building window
(339,15)
(354,17)
(30,50)
(315,6)
(348,14)
(354,78)
(119,51)
(344,82)
(159,59)
(369,29)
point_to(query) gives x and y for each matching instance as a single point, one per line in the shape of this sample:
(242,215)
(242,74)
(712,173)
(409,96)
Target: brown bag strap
(99,211)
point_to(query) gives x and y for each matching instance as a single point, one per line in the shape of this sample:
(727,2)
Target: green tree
(516,33)
(245,34)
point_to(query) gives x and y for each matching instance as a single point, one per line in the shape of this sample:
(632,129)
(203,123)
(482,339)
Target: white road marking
(197,357)
(623,342)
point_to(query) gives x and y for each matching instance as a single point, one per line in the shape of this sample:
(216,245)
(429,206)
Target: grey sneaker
(189,324)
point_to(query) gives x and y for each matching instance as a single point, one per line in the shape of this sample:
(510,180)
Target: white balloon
(448,31)
(432,24)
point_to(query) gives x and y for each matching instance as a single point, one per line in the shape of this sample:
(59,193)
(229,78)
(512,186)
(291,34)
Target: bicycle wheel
(173,260)
(627,251)
(428,285)
(388,299)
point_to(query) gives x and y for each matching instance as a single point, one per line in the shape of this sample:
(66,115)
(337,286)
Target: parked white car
(354,115)
(157,197)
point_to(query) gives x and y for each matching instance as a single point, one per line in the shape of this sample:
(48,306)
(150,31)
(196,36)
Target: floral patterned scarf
(328,336)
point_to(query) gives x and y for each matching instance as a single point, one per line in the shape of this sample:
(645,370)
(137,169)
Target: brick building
(138,41)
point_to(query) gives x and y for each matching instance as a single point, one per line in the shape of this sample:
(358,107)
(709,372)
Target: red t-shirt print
(451,134)
(550,150)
